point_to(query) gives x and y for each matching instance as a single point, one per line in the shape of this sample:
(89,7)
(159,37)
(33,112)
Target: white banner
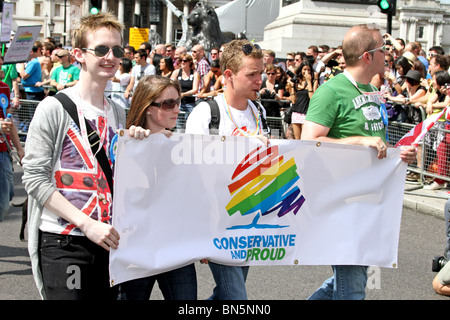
(233,201)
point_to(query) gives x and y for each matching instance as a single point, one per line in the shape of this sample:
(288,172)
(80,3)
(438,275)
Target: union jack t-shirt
(78,176)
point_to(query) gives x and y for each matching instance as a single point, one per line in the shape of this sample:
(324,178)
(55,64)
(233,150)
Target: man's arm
(42,137)
(100,233)
(318,132)
(129,88)
(21,71)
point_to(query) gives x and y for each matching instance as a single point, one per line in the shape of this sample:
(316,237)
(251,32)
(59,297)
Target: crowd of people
(242,84)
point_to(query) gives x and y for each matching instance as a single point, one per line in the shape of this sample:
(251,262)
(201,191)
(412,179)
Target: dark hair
(442,78)
(419,66)
(404,63)
(215,63)
(441,60)
(169,63)
(142,53)
(131,49)
(127,65)
(437,49)
(147,46)
(298,71)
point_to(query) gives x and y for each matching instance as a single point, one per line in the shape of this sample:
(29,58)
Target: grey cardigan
(42,149)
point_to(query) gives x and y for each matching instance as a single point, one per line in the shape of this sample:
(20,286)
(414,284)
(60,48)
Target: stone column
(121,11)
(412,30)
(169,25)
(104,5)
(403,28)
(431,32)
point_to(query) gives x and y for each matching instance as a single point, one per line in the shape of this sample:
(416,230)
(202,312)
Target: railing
(427,154)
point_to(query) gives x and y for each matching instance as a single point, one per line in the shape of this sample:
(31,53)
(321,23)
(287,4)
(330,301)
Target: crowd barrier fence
(425,166)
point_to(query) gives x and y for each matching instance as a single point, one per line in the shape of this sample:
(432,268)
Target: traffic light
(387,6)
(95,6)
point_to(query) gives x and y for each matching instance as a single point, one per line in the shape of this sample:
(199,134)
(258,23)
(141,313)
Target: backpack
(215,117)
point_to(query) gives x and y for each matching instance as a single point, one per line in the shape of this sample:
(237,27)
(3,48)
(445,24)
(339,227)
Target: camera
(438,263)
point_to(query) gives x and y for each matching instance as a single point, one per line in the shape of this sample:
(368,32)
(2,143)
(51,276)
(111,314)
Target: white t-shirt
(118,89)
(139,71)
(200,118)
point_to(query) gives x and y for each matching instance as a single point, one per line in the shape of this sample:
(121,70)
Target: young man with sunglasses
(67,75)
(346,110)
(69,188)
(241,64)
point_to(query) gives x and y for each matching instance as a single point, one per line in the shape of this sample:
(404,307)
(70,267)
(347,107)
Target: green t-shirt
(10,73)
(340,106)
(65,75)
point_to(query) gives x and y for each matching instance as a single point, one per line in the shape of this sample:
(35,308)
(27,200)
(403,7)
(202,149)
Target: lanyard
(383,111)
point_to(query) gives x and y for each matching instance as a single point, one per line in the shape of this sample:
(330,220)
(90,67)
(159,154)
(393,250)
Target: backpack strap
(93,137)
(215,117)
(263,118)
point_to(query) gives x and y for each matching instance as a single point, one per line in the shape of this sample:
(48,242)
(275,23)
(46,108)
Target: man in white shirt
(242,65)
(141,69)
(318,65)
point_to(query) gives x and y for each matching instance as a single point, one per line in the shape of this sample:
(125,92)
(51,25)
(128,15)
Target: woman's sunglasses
(101,51)
(167,105)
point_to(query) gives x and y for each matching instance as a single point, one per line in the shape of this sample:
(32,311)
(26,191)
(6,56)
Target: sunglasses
(167,105)
(382,48)
(248,48)
(271,73)
(101,51)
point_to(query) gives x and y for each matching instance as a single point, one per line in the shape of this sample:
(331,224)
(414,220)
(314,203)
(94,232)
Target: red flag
(413,137)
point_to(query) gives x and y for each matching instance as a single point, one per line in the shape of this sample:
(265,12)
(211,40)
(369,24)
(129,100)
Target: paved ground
(422,237)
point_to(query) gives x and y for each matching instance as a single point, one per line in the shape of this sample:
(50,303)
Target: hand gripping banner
(234,201)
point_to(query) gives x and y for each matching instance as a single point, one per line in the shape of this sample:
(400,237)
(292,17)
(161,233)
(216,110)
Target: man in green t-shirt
(67,75)
(346,109)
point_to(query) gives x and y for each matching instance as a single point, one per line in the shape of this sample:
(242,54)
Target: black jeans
(178,284)
(74,268)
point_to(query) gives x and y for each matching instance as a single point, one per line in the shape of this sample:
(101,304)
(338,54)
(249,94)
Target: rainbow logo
(24,37)
(263,183)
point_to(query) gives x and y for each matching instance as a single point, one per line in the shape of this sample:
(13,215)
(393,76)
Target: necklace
(257,120)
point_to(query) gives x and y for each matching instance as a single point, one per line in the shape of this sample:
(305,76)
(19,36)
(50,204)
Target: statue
(205,28)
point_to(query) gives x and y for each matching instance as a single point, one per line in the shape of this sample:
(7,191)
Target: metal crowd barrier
(396,130)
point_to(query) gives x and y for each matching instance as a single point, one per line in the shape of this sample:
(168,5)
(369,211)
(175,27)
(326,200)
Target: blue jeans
(178,284)
(6,183)
(230,282)
(348,283)
(182,117)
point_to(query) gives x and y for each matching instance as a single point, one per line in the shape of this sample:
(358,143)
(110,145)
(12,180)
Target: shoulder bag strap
(93,137)
(215,116)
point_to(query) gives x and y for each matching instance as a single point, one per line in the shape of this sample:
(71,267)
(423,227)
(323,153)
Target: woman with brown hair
(189,81)
(154,108)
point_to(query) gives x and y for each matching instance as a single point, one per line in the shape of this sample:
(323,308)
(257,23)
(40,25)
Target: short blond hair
(94,22)
(233,56)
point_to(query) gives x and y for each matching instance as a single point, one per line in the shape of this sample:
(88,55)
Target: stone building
(300,23)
